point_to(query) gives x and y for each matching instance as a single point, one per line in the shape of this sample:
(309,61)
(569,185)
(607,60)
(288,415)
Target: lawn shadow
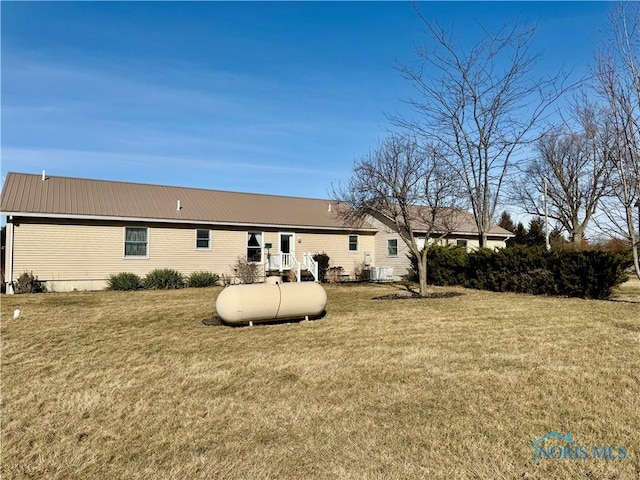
(624,299)
(411,295)
(216,321)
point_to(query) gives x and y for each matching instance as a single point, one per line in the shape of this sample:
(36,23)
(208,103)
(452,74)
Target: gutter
(505,235)
(9,256)
(186,222)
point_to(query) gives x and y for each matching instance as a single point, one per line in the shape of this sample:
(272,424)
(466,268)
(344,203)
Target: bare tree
(572,169)
(410,188)
(618,83)
(481,104)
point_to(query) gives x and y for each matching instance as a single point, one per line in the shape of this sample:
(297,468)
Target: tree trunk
(482,238)
(636,261)
(632,236)
(576,238)
(422,273)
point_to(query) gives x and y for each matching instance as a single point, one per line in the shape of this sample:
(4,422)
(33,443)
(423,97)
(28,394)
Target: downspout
(9,255)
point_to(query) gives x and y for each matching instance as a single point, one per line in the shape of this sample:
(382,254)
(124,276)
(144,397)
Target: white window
(254,247)
(353,243)
(392,247)
(461,242)
(136,241)
(203,239)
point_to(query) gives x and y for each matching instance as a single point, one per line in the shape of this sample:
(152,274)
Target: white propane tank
(265,302)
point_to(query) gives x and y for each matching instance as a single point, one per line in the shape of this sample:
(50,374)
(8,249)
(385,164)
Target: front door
(287,248)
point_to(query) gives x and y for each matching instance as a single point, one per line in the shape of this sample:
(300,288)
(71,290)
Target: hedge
(524,269)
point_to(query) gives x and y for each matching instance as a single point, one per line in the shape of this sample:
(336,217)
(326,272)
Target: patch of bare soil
(414,295)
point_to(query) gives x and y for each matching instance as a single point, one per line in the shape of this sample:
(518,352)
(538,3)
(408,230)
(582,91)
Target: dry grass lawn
(115,385)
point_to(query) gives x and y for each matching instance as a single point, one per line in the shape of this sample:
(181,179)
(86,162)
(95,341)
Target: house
(73,233)
(449,227)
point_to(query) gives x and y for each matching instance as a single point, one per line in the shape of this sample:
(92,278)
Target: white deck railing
(311,265)
(281,261)
(288,261)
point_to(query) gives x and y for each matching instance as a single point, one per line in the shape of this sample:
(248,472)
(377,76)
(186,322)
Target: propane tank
(265,302)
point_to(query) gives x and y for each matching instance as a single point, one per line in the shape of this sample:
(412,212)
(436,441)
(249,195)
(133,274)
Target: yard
(134,386)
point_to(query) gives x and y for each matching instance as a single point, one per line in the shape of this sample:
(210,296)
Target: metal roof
(450,221)
(64,197)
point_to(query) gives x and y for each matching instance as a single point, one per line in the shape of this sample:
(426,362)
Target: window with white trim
(461,242)
(254,247)
(353,243)
(392,247)
(136,241)
(203,239)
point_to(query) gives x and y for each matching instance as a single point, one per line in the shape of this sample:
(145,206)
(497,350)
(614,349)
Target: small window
(254,247)
(353,243)
(203,239)
(135,241)
(461,242)
(392,247)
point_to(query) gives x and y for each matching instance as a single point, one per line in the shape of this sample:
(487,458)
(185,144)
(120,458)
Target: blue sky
(267,97)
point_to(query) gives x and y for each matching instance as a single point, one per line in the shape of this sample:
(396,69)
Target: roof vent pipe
(44,176)
(329,207)
(178,206)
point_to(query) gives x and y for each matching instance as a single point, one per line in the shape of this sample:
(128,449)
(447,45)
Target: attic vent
(178,206)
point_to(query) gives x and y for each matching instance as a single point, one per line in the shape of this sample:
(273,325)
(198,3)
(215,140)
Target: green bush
(27,283)
(446,265)
(591,273)
(586,274)
(538,281)
(525,269)
(508,270)
(124,281)
(202,279)
(323,265)
(163,279)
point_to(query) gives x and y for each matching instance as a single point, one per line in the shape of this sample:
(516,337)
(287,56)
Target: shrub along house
(73,233)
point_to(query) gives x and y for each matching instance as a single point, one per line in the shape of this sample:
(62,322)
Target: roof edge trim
(182,222)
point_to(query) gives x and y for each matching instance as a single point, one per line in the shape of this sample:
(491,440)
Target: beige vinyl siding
(272,238)
(495,243)
(473,243)
(336,245)
(400,263)
(93,252)
(82,256)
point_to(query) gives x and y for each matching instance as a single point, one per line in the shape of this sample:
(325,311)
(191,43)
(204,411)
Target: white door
(287,249)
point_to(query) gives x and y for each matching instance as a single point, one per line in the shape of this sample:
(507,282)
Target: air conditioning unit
(381,274)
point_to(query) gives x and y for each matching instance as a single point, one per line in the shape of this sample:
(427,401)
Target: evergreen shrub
(163,279)
(202,279)
(124,281)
